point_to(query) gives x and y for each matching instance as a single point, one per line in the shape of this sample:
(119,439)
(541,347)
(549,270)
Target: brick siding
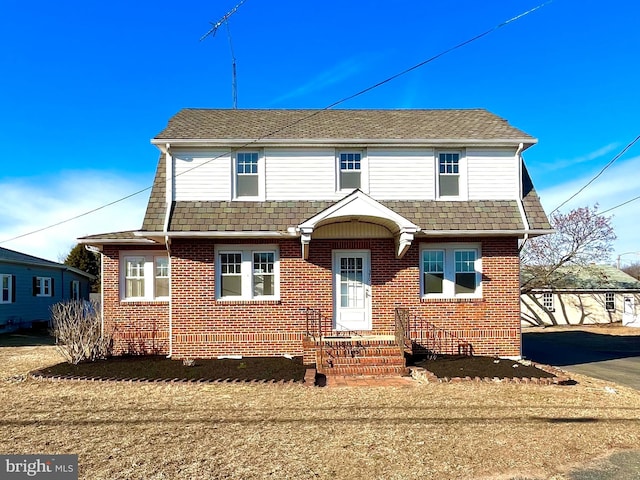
(204,327)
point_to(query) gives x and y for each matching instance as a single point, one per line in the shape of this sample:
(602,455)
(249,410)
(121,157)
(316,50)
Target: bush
(77,328)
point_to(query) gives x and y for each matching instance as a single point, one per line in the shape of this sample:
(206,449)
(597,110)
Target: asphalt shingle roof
(589,277)
(478,124)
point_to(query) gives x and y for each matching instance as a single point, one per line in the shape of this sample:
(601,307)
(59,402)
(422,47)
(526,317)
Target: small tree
(633,269)
(82,259)
(582,237)
(77,327)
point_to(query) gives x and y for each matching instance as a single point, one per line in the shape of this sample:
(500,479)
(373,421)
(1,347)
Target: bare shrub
(77,329)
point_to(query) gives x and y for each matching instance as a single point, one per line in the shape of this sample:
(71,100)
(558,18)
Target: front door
(352,289)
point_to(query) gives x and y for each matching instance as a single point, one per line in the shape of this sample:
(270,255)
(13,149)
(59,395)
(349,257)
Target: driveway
(595,352)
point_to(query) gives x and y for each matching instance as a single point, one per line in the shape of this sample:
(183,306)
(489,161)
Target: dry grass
(436,431)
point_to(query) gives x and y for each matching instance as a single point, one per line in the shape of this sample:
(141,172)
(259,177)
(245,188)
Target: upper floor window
(145,276)
(350,170)
(6,288)
(42,286)
(451,270)
(247,174)
(547,301)
(610,301)
(245,273)
(449,174)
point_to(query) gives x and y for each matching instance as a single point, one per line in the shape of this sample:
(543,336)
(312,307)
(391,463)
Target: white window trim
(364,169)
(261,176)
(448,284)
(613,301)
(149,275)
(43,285)
(463,186)
(548,301)
(10,289)
(247,252)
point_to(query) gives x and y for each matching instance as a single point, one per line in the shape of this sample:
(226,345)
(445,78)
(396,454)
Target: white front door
(352,289)
(628,313)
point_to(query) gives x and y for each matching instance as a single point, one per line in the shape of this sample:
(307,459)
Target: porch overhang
(359,207)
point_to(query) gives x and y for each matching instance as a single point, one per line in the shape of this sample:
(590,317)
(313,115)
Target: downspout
(93,249)
(523,215)
(167,240)
(525,224)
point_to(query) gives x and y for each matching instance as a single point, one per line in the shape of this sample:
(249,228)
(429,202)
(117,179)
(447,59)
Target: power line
(620,205)
(213,30)
(629,145)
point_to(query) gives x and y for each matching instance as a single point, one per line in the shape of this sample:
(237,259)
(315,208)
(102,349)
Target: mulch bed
(159,368)
(451,366)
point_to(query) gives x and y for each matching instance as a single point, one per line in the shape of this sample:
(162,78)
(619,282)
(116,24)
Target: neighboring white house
(583,295)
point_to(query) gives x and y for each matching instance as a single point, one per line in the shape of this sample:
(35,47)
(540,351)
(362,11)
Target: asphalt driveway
(615,358)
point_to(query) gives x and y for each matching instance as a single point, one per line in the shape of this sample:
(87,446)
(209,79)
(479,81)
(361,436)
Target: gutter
(161,143)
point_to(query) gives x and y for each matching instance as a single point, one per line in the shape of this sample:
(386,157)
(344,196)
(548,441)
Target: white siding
(401,174)
(301,174)
(492,174)
(200,175)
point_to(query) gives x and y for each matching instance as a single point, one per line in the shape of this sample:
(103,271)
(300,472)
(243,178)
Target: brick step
(360,343)
(365,361)
(370,370)
(362,352)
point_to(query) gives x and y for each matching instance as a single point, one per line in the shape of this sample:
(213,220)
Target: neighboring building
(581,295)
(261,221)
(29,286)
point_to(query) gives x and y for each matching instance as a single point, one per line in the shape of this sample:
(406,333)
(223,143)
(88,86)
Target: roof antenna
(212,31)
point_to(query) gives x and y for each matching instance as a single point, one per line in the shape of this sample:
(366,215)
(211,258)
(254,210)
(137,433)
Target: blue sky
(85,85)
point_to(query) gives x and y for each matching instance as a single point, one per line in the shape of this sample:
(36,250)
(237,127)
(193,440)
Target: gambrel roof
(234,128)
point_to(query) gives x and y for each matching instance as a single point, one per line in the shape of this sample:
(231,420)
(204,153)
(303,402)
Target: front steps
(352,356)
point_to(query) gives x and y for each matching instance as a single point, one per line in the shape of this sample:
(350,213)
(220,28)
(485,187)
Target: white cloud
(331,76)
(615,186)
(36,202)
(564,163)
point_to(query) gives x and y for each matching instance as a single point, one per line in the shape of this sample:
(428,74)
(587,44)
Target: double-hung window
(42,286)
(6,288)
(247,175)
(547,301)
(247,273)
(610,301)
(350,165)
(451,270)
(145,276)
(449,171)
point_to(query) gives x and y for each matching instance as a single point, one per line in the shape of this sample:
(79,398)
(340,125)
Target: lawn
(256,431)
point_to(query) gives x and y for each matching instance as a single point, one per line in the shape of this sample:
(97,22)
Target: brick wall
(136,327)
(204,327)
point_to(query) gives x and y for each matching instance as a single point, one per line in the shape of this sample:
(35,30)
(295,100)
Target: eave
(161,143)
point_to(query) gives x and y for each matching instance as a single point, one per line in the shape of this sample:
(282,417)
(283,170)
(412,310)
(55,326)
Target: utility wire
(629,145)
(620,205)
(310,115)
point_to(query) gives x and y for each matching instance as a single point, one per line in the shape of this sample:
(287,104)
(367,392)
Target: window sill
(247,301)
(451,300)
(144,300)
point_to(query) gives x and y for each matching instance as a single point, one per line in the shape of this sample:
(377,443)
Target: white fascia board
(215,234)
(104,241)
(391,142)
(482,233)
